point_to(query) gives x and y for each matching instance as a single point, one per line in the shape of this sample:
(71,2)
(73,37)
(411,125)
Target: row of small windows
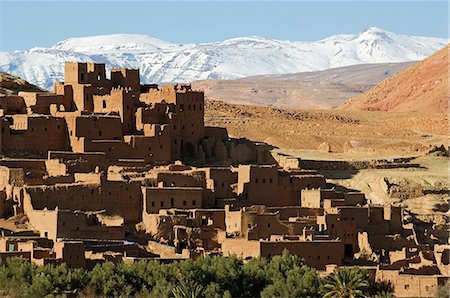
(263,180)
(200,107)
(172,203)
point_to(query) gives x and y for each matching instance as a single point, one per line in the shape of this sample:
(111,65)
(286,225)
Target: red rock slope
(422,87)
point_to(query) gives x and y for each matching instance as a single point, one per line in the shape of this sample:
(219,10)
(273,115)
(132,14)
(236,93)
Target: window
(153,204)
(194,203)
(160,146)
(189,107)
(181,107)
(99,133)
(82,77)
(193,107)
(184,203)
(256,180)
(264,180)
(318,257)
(172,202)
(45,129)
(99,77)
(406,287)
(104,104)
(332,226)
(268,224)
(270,180)
(200,106)
(162,204)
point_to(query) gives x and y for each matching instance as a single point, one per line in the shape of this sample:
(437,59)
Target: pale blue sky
(26,24)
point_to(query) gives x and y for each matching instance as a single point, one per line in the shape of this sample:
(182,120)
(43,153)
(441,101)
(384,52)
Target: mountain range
(164,62)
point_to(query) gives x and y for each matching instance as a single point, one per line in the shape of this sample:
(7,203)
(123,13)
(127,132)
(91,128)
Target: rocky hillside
(357,131)
(422,87)
(10,85)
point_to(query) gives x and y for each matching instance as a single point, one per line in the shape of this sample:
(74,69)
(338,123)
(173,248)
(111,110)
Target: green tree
(346,283)
(187,290)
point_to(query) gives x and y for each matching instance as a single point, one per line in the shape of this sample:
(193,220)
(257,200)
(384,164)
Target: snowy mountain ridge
(160,61)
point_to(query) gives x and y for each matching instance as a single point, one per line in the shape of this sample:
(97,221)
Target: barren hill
(422,87)
(305,90)
(359,131)
(10,84)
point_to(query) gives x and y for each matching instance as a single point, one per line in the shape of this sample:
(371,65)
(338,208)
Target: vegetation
(282,276)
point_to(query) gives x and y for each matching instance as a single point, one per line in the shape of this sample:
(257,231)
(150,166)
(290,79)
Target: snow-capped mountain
(160,61)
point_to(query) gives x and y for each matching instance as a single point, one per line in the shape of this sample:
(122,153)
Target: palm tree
(346,283)
(187,290)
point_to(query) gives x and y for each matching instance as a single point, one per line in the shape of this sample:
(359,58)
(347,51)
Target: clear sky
(27,24)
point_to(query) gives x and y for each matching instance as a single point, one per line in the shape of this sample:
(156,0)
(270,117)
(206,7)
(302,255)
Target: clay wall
(393,215)
(411,285)
(12,104)
(26,130)
(220,181)
(261,226)
(189,106)
(311,198)
(71,252)
(120,101)
(156,198)
(241,248)
(355,198)
(233,220)
(291,184)
(259,184)
(210,217)
(80,162)
(266,185)
(181,179)
(94,127)
(317,254)
(40,102)
(126,78)
(115,197)
(220,133)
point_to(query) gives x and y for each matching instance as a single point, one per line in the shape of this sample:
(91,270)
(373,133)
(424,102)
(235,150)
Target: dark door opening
(348,250)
